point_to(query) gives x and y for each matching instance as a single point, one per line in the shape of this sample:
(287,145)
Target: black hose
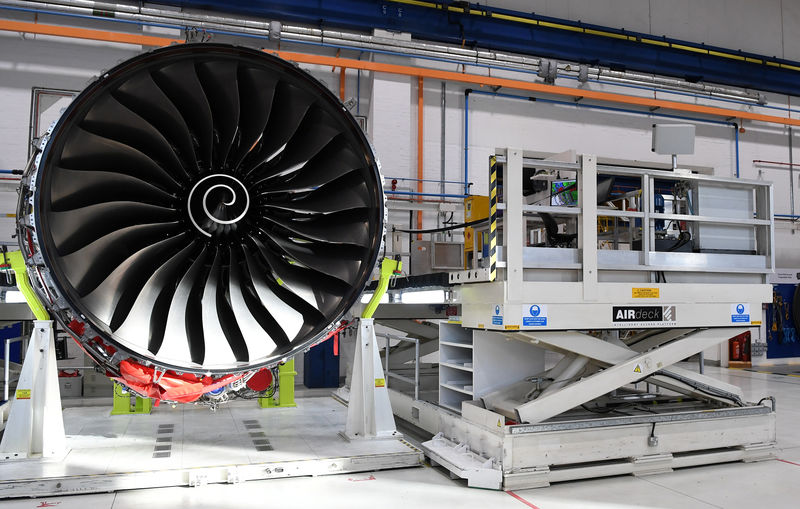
(445,228)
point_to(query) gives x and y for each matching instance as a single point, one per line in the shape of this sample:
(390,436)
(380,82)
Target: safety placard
(740,313)
(23,394)
(380,382)
(645,293)
(497,317)
(535,316)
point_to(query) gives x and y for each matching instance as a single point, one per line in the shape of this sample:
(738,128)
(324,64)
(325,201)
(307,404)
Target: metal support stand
(286,374)
(369,412)
(35,425)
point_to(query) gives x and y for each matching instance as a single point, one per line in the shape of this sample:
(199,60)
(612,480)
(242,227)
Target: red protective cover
(183,388)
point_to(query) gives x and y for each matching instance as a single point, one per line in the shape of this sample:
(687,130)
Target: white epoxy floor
(764,485)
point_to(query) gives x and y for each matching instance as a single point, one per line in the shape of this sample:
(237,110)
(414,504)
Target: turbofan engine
(198,214)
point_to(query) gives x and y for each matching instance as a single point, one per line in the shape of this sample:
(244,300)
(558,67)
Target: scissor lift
(563,363)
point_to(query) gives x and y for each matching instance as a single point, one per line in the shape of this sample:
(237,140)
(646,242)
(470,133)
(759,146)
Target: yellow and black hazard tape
(477,11)
(493,218)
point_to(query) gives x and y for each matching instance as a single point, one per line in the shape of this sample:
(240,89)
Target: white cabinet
(473,363)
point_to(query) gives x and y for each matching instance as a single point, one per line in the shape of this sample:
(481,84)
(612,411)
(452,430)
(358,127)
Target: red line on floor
(790,462)
(522,500)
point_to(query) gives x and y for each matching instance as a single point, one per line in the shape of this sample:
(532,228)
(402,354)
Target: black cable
(445,228)
(683,238)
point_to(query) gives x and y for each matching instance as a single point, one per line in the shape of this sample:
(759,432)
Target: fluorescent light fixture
(14,296)
(367,296)
(423,297)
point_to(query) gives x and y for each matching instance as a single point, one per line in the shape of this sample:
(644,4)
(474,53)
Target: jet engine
(199,214)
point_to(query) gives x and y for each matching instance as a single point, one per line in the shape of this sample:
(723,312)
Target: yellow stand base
(286,374)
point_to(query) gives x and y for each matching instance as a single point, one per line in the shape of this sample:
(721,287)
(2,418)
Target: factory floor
(773,484)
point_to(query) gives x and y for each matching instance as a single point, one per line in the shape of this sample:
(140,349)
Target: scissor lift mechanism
(538,428)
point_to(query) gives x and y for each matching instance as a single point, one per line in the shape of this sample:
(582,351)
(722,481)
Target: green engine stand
(286,374)
(126,403)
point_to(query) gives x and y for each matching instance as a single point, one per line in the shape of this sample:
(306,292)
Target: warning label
(380,382)
(23,394)
(644,293)
(535,316)
(637,369)
(740,313)
(497,317)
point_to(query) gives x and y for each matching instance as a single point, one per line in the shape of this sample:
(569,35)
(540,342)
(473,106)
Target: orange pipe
(476,79)
(420,141)
(341,84)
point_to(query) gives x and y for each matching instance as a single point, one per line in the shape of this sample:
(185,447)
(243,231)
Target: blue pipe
(734,125)
(425,180)
(9,172)
(466,139)
(440,195)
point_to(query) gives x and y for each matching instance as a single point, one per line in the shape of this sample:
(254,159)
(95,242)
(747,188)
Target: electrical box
(431,256)
(673,139)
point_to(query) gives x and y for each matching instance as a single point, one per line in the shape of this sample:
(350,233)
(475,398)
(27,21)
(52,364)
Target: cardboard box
(71,386)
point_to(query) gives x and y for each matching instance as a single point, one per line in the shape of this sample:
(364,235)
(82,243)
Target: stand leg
(369,412)
(36,425)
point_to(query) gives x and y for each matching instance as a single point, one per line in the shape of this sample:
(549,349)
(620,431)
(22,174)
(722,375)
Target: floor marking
(789,462)
(370,478)
(522,500)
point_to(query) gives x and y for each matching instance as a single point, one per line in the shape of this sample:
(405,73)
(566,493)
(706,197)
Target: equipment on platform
(198,214)
(475,245)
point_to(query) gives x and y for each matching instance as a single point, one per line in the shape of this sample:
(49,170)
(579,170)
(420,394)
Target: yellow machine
(475,208)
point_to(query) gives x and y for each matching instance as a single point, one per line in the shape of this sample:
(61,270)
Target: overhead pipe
(84,33)
(777,163)
(452,76)
(349,40)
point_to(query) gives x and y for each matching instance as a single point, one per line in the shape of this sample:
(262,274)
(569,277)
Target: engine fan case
(202,208)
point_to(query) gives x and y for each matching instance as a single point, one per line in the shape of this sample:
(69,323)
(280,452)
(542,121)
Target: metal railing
(413,381)
(641,222)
